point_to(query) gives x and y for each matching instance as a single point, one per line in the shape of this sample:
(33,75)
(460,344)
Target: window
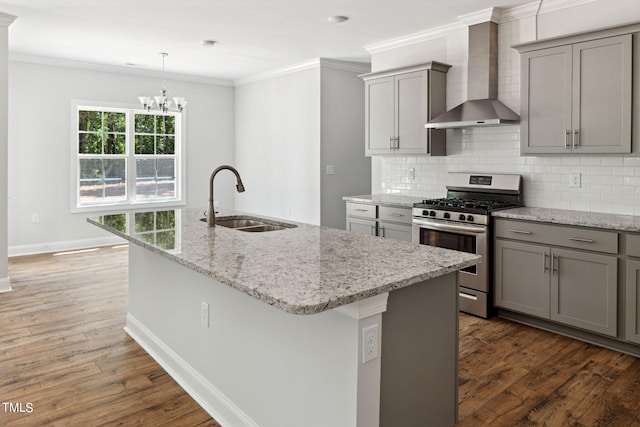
(125,157)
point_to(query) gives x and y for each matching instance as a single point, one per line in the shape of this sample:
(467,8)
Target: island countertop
(303,270)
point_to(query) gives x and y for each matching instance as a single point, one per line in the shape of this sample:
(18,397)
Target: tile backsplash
(608,184)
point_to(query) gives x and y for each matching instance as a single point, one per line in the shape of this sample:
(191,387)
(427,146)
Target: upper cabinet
(576,94)
(398,103)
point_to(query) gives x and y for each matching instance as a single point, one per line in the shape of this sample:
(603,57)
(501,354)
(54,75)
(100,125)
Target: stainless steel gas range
(462,221)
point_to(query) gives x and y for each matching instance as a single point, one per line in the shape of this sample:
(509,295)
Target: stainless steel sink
(260,228)
(251,224)
(238,223)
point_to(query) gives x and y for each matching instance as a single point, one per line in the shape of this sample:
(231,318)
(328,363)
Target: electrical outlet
(412,173)
(204,313)
(330,170)
(369,343)
(35,217)
(574,180)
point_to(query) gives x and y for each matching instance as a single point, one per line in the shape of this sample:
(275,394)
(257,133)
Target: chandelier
(161,102)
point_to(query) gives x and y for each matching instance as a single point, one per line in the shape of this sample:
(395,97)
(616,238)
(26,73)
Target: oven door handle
(464,229)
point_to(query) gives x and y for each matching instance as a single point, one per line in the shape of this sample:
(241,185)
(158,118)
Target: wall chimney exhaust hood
(482,108)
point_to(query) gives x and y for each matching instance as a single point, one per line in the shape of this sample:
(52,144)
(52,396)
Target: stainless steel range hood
(482,108)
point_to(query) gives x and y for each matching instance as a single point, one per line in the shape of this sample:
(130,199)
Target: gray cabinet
(398,103)
(362,226)
(576,98)
(632,288)
(522,278)
(563,282)
(584,290)
(376,220)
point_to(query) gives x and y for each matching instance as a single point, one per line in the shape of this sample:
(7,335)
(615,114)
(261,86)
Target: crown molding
(307,65)
(355,67)
(351,66)
(414,38)
(6,19)
(519,12)
(491,14)
(90,66)
(554,5)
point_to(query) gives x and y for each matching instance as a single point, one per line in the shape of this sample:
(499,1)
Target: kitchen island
(301,326)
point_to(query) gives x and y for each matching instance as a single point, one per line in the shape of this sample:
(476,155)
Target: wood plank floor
(63,351)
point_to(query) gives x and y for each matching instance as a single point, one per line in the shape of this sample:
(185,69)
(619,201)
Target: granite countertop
(567,217)
(302,270)
(385,199)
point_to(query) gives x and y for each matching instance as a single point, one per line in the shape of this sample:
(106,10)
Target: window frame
(130,110)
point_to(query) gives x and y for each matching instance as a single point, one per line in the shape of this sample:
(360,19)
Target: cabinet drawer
(401,215)
(557,235)
(362,210)
(633,245)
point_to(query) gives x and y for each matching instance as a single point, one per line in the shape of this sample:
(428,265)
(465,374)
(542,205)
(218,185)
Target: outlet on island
(369,343)
(204,313)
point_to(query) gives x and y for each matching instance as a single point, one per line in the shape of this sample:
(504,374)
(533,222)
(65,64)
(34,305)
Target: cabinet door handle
(391,143)
(567,143)
(396,214)
(544,262)
(520,231)
(361,210)
(397,142)
(554,268)
(576,139)
(580,239)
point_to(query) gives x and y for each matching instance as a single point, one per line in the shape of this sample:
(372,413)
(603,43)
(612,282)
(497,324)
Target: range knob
(425,213)
(462,217)
(469,217)
(432,213)
(446,215)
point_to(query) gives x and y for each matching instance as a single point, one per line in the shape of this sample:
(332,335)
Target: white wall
(291,124)
(609,184)
(278,146)
(39,145)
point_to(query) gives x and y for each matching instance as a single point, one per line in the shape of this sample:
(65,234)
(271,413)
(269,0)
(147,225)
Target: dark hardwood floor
(66,361)
(515,375)
(63,350)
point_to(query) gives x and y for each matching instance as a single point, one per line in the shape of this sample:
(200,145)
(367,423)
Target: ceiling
(253,36)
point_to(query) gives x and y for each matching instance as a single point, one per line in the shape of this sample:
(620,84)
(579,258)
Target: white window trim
(74,176)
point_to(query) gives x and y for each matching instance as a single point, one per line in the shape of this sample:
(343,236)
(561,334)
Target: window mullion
(131,157)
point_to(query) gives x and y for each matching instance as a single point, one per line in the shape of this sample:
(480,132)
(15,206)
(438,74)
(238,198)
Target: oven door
(460,237)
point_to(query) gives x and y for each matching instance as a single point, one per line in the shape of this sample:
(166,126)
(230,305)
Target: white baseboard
(212,400)
(67,245)
(5,284)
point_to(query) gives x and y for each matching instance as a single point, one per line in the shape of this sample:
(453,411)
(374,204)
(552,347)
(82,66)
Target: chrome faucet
(211,217)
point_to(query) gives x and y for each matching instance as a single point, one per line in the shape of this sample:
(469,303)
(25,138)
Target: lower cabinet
(362,226)
(632,288)
(584,290)
(522,278)
(395,231)
(573,287)
(384,221)
(632,314)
